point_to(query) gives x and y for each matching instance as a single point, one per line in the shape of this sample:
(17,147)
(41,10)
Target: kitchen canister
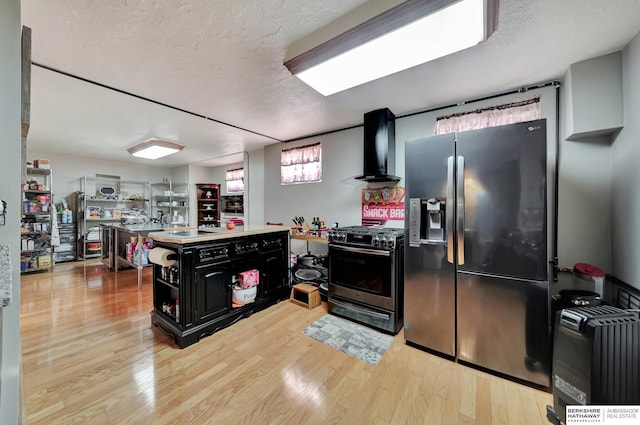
(590,273)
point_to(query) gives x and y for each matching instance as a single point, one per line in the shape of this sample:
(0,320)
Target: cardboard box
(44,261)
(249,278)
(42,163)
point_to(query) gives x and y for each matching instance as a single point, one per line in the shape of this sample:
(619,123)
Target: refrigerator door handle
(449,207)
(460,210)
(349,306)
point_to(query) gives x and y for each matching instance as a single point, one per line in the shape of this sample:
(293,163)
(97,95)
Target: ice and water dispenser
(427,217)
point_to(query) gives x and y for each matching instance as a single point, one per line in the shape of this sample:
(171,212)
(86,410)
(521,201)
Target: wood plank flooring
(91,356)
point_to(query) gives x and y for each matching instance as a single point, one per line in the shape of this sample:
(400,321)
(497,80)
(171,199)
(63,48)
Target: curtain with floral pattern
(235,180)
(301,164)
(492,116)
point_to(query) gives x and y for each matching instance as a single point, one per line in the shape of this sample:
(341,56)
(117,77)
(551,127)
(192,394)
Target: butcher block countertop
(188,236)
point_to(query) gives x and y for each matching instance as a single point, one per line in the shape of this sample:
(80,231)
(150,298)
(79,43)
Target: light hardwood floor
(91,356)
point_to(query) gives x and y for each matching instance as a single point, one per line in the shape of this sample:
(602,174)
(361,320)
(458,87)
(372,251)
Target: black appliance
(366,276)
(476,270)
(379,146)
(567,298)
(596,354)
(232,204)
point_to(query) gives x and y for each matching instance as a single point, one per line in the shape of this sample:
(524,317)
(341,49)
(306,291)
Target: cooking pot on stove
(307,259)
(321,260)
(578,298)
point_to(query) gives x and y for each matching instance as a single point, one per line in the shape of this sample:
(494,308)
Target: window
(302,164)
(234,180)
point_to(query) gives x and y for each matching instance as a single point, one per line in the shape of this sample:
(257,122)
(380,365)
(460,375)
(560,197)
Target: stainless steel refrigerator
(476,269)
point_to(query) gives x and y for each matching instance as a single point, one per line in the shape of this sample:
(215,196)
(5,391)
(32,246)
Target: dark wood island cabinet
(199,294)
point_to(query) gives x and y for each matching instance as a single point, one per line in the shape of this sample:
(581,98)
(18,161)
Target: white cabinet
(170,203)
(594,95)
(108,200)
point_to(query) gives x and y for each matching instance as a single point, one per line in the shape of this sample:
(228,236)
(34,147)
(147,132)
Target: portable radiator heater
(596,358)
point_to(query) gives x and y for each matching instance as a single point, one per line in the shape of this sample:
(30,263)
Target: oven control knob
(376,241)
(390,243)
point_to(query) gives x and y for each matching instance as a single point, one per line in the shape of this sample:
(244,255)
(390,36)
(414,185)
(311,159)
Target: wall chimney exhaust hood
(379,147)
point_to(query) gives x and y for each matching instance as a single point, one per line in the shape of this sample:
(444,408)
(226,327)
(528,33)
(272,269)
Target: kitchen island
(198,275)
(120,245)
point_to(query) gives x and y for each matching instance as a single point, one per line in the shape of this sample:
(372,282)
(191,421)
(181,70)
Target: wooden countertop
(188,236)
(310,238)
(147,227)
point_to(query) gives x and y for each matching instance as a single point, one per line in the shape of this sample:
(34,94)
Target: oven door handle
(379,252)
(362,310)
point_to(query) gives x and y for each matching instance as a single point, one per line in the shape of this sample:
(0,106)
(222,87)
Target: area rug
(355,340)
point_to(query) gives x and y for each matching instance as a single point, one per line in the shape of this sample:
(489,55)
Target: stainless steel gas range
(366,276)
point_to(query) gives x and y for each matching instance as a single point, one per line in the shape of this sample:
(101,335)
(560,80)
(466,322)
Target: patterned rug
(355,340)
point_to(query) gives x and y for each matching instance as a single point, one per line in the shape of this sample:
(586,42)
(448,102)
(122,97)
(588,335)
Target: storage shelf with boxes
(36,222)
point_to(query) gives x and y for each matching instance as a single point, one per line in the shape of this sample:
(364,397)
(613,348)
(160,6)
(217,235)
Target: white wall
(585,200)
(200,174)
(178,174)
(338,197)
(593,110)
(625,154)
(598,189)
(335,198)
(68,169)
(10,175)
(254,187)
(585,228)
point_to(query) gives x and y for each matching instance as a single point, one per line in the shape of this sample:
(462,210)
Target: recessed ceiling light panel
(456,26)
(154,149)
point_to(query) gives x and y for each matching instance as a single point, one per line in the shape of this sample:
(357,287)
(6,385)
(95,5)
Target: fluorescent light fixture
(412,33)
(154,149)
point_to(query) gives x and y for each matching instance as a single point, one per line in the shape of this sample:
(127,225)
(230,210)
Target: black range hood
(379,147)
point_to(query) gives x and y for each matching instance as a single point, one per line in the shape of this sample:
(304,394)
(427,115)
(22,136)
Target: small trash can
(589,273)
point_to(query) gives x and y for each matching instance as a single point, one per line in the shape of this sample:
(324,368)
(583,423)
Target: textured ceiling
(218,67)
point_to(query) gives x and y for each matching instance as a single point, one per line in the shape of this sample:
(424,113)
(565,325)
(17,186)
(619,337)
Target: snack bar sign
(383,204)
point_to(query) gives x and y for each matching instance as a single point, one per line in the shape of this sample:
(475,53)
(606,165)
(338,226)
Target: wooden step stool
(305,295)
